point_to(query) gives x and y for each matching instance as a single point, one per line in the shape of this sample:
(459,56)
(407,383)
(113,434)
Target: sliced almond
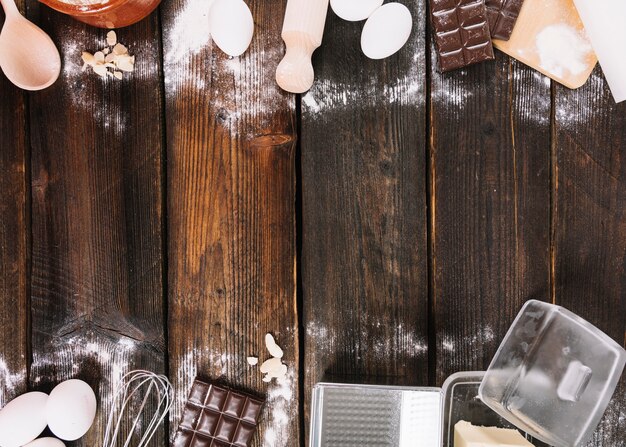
(111,38)
(120,49)
(88,58)
(106,51)
(252,361)
(100,70)
(272,347)
(267,378)
(271,365)
(118,75)
(110,57)
(99,56)
(125,63)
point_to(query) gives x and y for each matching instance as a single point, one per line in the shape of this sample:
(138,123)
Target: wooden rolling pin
(302,32)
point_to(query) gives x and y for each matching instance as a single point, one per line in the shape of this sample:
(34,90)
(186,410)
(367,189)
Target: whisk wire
(158,386)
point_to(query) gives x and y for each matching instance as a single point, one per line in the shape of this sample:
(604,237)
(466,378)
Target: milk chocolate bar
(461,31)
(217,417)
(502,15)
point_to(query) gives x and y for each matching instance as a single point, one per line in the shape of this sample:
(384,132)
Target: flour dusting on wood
(572,111)
(190,33)
(332,96)
(12,383)
(281,409)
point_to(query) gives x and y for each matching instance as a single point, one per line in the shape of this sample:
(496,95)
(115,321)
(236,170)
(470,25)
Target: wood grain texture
(490,192)
(97,273)
(231,217)
(590,221)
(364,253)
(14,231)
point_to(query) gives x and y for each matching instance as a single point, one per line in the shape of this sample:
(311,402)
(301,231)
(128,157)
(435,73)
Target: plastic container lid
(553,375)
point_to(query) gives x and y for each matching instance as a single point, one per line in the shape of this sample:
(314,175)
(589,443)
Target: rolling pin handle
(295,72)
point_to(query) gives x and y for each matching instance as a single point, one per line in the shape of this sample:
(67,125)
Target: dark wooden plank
(231,217)
(97,273)
(490,192)
(590,221)
(364,254)
(14,231)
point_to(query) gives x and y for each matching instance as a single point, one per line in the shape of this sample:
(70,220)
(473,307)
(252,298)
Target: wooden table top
(386,226)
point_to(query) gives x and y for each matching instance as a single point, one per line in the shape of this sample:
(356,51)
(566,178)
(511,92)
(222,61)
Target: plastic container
(105,13)
(553,375)
(552,379)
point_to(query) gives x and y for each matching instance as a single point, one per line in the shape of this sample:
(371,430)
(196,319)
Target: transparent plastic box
(552,379)
(553,375)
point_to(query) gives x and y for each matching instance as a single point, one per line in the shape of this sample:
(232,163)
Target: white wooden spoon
(28,56)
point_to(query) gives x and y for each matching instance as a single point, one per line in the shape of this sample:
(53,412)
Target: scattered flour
(190,33)
(327,94)
(483,337)
(281,409)
(11,383)
(571,112)
(562,49)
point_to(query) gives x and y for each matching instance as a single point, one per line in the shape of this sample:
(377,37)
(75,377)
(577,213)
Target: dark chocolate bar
(462,34)
(502,15)
(217,417)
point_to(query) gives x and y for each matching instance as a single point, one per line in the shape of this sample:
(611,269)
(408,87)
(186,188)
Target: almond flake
(88,58)
(272,347)
(100,70)
(252,361)
(125,63)
(120,49)
(99,56)
(271,365)
(111,38)
(110,57)
(106,51)
(118,75)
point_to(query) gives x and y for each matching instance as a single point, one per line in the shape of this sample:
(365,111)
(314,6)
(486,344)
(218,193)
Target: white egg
(71,409)
(23,419)
(355,10)
(386,31)
(46,442)
(231,25)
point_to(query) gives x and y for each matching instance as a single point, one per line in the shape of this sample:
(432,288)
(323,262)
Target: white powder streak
(190,32)
(562,49)
(281,408)
(10,382)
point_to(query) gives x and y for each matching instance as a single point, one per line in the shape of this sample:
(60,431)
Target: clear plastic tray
(462,403)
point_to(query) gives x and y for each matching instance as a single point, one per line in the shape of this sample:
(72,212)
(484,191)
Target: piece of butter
(468,435)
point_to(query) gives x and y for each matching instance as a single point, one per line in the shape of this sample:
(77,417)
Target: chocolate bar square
(462,35)
(502,15)
(217,417)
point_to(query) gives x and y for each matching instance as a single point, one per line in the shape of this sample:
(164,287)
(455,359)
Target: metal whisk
(154,388)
